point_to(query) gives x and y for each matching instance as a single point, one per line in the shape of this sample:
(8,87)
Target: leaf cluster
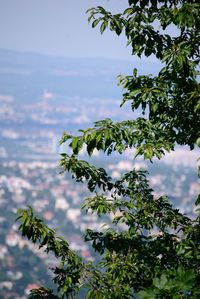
(149,249)
(170,99)
(67,274)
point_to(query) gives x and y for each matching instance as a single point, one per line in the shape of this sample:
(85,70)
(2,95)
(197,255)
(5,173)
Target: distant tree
(151,249)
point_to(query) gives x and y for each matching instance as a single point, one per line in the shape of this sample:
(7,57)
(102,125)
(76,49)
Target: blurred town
(40,98)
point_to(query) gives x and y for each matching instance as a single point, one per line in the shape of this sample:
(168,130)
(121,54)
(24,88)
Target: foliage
(150,250)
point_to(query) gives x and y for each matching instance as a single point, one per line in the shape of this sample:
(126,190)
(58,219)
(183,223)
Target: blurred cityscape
(40,97)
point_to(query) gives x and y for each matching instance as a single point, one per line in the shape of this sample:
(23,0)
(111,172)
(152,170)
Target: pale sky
(59,27)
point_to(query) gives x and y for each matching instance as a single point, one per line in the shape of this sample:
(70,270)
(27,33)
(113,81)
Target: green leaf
(161,282)
(103,27)
(95,22)
(197,200)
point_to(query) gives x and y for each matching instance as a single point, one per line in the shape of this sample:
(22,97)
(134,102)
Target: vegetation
(150,250)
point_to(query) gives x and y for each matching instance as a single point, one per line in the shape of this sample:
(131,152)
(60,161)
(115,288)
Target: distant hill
(26,75)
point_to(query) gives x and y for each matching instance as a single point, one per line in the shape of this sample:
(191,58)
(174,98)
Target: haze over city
(58,74)
(58,28)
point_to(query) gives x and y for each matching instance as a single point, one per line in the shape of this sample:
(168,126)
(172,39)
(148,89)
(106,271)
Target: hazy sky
(58,27)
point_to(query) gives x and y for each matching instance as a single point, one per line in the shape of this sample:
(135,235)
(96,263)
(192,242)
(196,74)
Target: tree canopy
(151,249)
